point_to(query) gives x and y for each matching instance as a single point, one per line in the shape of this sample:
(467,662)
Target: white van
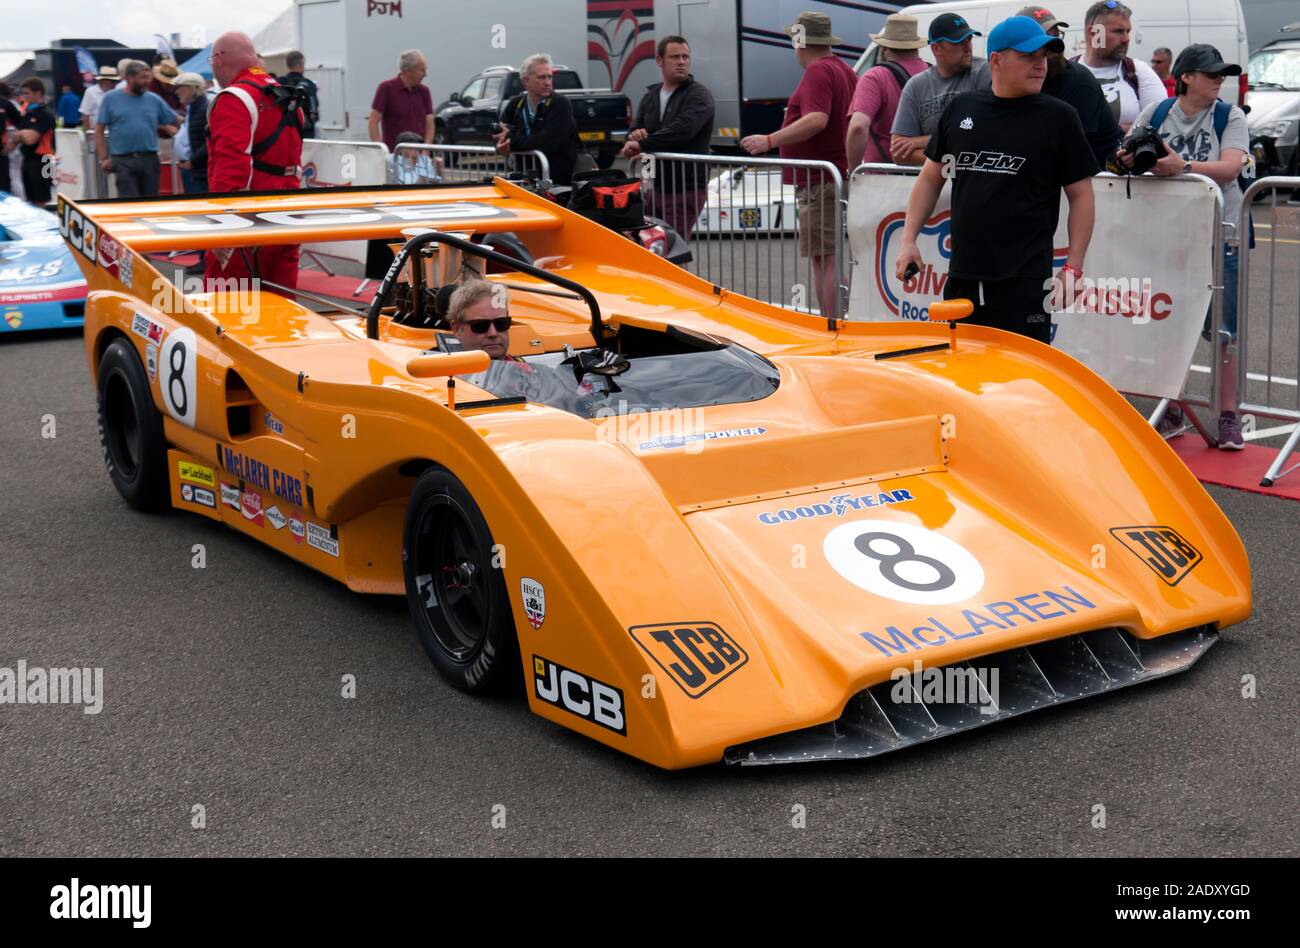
(1156,23)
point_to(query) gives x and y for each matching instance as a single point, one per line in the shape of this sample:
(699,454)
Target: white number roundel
(903,562)
(176,375)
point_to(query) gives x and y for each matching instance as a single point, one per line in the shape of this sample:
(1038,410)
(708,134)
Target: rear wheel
(131,430)
(456,595)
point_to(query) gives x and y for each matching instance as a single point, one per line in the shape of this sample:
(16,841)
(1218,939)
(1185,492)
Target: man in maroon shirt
(403,103)
(816,121)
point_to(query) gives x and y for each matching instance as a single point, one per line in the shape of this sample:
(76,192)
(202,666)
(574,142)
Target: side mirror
(454,97)
(947,311)
(448,363)
(466,101)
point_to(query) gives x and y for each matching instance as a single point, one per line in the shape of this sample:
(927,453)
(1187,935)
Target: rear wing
(202,222)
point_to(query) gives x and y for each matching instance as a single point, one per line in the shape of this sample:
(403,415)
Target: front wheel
(456,593)
(131,430)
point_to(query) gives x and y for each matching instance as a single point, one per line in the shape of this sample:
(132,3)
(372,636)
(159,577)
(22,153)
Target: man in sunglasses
(477,319)
(479,314)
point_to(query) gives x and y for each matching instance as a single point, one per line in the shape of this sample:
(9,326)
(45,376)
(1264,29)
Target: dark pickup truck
(469,117)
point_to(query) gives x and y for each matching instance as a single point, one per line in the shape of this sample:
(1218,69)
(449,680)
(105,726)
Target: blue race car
(41,286)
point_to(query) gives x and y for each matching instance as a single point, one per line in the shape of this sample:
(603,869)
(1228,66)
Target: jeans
(136,175)
(195,182)
(1231,258)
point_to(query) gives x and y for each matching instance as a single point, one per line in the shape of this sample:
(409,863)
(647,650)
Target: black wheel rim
(451,576)
(122,433)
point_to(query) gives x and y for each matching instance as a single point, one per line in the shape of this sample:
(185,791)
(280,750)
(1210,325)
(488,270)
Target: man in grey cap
(875,101)
(816,120)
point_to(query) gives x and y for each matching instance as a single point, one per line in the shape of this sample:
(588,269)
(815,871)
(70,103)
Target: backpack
(292,102)
(898,72)
(1128,69)
(1222,112)
(609,198)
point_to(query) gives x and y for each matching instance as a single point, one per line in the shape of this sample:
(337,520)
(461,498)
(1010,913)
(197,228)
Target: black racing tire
(458,599)
(131,430)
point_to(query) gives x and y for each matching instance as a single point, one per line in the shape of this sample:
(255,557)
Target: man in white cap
(875,101)
(190,147)
(105,80)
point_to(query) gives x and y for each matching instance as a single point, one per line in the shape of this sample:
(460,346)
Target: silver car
(1274,101)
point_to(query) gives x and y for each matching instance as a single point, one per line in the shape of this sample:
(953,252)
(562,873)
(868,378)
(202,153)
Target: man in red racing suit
(242,119)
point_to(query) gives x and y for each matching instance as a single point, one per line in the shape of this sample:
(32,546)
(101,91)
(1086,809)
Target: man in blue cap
(1010,151)
(925,96)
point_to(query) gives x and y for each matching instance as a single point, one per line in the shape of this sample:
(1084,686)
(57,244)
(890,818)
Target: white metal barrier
(1137,322)
(79,175)
(762,222)
(1281,364)
(458,164)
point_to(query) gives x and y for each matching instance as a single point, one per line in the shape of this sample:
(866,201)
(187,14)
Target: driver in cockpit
(479,315)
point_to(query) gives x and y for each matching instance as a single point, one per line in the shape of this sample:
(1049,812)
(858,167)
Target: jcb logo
(1163,549)
(578,694)
(696,655)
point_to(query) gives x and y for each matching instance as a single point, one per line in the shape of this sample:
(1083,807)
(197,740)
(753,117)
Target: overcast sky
(133,22)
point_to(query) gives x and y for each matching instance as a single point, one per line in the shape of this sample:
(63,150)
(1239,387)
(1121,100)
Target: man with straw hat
(816,120)
(871,116)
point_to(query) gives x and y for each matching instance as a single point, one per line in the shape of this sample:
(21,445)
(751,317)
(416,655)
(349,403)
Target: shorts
(1016,305)
(819,220)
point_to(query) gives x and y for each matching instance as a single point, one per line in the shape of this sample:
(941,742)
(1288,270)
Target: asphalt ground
(222,689)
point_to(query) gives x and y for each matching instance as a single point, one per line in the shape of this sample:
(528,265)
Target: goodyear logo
(696,655)
(196,473)
(1162,549)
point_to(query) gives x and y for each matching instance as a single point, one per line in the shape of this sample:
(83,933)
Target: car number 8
(904,562)
(179,354)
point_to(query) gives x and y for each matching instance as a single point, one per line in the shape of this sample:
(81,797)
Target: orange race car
(697,526)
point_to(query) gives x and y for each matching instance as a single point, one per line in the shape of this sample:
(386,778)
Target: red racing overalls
(241,120)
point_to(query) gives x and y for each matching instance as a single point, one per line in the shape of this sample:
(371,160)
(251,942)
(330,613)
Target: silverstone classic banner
(1147,273)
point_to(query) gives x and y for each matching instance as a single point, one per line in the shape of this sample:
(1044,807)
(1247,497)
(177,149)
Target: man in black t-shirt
(1010,151)
(1075,85)
(36,138)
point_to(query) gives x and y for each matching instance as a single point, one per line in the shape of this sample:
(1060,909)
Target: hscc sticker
(533,595)
(578,694)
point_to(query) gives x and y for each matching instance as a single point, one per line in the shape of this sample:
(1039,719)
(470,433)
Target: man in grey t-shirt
(1194,147)
(927,94)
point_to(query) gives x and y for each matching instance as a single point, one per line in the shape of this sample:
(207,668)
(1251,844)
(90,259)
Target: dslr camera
(1146,147)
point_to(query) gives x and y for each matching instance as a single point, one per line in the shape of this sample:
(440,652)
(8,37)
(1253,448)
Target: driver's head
(480,317)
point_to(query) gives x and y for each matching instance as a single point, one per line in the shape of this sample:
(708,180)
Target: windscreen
(722,376)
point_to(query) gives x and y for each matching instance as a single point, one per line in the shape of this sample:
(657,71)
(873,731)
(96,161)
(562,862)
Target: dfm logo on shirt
(995,162)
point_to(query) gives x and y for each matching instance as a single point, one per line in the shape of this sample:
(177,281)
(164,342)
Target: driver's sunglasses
(479,326)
